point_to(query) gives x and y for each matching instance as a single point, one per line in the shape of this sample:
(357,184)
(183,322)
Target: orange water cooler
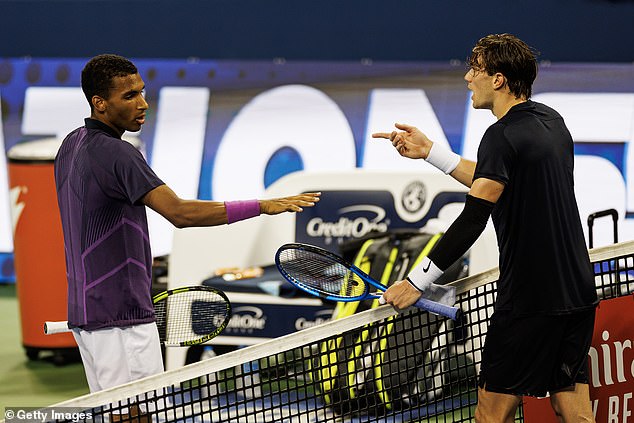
(40,267)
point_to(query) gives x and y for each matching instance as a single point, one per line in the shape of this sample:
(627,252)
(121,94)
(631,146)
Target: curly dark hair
(510,56)
(97,75)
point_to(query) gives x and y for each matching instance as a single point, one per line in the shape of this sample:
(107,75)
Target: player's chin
(134,127)
(476,105)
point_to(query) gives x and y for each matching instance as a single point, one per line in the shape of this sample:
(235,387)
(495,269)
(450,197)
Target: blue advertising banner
(345,215)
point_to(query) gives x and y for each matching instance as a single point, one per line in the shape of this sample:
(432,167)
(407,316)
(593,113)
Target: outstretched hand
(409,141)
(295,203)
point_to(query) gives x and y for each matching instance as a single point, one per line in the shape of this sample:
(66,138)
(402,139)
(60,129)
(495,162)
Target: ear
(99,103)
(499,81)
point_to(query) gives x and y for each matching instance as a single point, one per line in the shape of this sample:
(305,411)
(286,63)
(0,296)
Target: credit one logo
(320,317)
(247,319)
(372,219)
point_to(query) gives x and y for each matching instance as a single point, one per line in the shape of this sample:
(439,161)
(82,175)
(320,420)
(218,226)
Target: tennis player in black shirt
(540,333)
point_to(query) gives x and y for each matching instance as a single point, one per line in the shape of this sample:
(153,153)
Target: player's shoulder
(101,142)
(496,131)
(531,110)
(545,110)
(73,138)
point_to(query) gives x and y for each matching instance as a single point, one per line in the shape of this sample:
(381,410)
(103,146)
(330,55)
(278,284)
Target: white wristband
(424,274)
(443,158)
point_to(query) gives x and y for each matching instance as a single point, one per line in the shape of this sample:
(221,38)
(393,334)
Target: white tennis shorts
(115,356)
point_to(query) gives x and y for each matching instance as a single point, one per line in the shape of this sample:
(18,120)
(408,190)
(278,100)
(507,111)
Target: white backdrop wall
(227,130)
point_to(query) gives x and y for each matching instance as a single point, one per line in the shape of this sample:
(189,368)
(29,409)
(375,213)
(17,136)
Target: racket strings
(321,273)
(190,315)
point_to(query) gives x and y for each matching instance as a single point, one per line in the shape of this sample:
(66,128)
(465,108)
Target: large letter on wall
(295,116)
(389,106)
(177,151)
(476,123)
(53,111)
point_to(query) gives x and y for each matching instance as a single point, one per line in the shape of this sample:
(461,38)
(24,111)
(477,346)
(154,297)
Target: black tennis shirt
(544,263)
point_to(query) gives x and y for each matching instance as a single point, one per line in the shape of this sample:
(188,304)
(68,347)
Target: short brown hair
(510,56)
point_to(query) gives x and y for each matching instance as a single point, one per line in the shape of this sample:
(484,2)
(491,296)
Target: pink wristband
(240,210)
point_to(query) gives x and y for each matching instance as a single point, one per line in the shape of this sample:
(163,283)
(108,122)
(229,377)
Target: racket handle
(438,308)
(51,328)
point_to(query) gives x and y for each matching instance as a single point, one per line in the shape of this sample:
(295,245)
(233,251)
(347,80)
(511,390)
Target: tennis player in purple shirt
(103,185)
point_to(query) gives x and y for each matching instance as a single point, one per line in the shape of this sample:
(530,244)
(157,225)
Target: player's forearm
(194,213)
(460,236)
(464,172)
(451,163)
(188,213)
(211,213)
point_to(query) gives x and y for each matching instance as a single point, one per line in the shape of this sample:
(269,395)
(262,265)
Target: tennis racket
(184,316)
(324,274)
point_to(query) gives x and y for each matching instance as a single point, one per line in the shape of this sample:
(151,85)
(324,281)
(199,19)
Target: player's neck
(105,121)
(501,107)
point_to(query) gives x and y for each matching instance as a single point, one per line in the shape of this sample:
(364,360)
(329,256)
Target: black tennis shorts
(536,354)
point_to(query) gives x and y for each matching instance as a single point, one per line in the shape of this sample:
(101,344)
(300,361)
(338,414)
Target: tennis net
(378,365)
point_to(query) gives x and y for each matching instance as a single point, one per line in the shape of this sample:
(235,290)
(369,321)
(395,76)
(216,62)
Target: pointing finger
(381,135)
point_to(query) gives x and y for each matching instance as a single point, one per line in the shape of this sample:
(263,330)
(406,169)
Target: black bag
(371,370)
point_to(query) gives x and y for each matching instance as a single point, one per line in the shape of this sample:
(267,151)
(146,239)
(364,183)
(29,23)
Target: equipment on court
(603,213)
(273,381)
(327,275)
(184,316)
(379,361)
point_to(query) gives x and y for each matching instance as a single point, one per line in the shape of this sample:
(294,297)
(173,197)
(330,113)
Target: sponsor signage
(345,215)
(611,362)
(260,321)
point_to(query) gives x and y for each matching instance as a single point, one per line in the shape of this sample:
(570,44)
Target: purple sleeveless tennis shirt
(100,181)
